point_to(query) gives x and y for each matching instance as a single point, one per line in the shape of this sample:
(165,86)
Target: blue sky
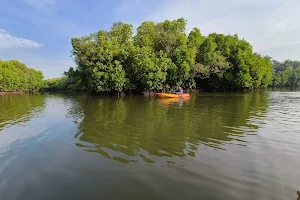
(38,32)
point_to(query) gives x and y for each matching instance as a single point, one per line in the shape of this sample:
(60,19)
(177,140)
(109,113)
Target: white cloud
(9,41)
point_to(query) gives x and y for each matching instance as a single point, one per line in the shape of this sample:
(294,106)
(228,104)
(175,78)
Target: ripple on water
(229,146)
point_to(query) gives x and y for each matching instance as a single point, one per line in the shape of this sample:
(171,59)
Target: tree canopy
(162,53)
(14,75)
(286,74)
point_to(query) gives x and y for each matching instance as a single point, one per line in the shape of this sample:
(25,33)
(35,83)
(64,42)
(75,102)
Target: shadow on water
(135,129)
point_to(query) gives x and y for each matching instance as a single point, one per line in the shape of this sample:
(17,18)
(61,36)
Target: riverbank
(147,93)
(17,92)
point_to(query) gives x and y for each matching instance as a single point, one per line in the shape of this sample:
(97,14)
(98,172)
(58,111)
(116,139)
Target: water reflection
(19,109)
(170,101)
(142,130)
(161,150)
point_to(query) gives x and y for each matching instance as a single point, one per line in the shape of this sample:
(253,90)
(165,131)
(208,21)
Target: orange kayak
(167,95)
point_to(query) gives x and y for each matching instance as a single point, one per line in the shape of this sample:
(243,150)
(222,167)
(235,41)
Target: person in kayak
(178,90)
(168,88)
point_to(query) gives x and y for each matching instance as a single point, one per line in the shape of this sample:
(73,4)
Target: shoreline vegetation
(15,77)
(121,62)
(18,92)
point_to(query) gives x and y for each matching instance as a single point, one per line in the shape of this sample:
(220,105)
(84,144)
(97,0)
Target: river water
(211,146)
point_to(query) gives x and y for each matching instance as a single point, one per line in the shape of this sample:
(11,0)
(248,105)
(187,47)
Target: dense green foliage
(53,83)
(14,75)
(228,62)
(162,53)
(286,74)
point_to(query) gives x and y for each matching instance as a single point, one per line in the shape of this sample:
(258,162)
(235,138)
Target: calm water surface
(212,146)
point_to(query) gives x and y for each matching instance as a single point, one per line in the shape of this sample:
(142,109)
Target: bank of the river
(17,92)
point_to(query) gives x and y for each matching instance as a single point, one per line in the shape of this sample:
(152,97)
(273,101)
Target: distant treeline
(157,54)
(286,74)
(15,76)
(161,53)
